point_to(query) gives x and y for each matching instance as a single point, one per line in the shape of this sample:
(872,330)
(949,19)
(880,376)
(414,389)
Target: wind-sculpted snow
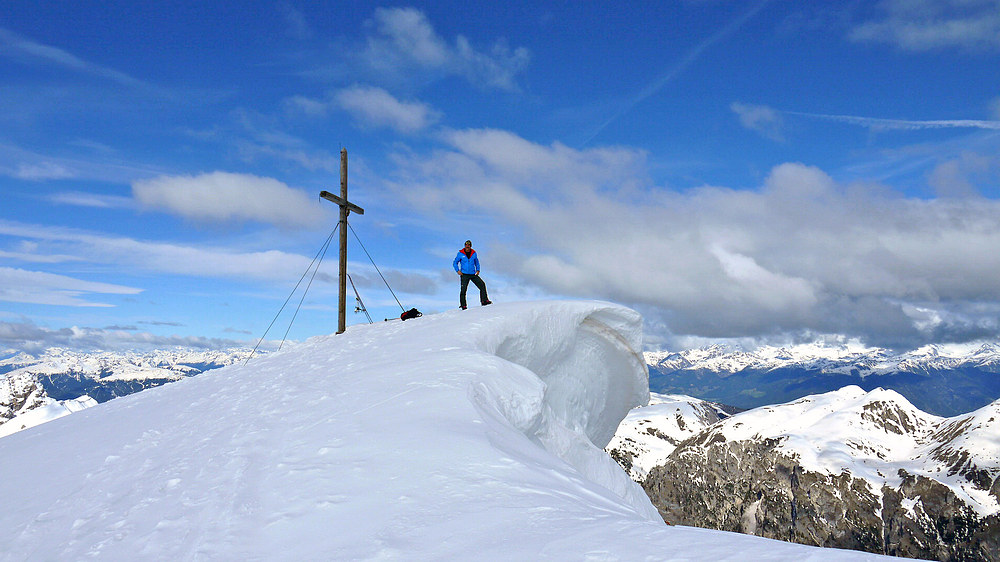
(463,435)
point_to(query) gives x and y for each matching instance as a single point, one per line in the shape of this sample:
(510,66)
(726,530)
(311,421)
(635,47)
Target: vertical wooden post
(346,207)
(342,295)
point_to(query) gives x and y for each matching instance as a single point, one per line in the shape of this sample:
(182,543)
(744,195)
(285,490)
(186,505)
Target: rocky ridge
(647,435)
(847,469)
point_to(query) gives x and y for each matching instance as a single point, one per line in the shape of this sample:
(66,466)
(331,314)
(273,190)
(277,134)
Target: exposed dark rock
(754,487)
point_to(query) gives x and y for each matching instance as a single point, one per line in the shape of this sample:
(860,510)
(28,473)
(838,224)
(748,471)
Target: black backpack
(412,313)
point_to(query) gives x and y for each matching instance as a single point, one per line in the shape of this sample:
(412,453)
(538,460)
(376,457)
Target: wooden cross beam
(345,209)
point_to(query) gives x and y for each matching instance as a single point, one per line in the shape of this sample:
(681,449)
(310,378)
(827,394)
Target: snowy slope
(848,468)
(648,434)
(44,411)
(465,435)
(61,381)
(872,435)
(24,403)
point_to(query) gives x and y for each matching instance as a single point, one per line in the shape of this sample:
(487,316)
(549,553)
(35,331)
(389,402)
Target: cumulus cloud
(404,42)
(19,285)
(955,177)
(800,253)
(760,118)
(924,25)
(223,196)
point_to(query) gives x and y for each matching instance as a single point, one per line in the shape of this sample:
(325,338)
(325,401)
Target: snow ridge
(648,434)
(871,435)
(466,434)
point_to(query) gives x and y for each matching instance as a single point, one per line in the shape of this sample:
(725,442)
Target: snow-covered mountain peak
(820,354)
(880,425)
(466,434)
(874,434)
(647,435)
(968,448)
(850,468)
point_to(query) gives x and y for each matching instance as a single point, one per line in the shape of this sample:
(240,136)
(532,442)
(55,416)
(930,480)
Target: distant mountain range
(35,389)
(847,469)
(944,380)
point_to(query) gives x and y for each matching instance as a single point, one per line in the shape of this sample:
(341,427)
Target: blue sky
(742,171)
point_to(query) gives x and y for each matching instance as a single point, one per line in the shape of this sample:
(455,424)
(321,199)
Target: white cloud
(404,43)
(223,196)
(923,25)
(19,285)
(378,108)
(760,118)
(308,106)
(370,106)
(43,171)
(802,253)
(24,49)
(31,338)
(140,256)
(33,257)
(83,199)
(954,178)
(20,163)
(162,257)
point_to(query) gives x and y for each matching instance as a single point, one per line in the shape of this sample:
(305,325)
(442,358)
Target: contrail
(901,124)
(656,86)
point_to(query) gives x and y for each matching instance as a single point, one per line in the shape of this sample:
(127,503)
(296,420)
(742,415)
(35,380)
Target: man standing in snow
(467,266)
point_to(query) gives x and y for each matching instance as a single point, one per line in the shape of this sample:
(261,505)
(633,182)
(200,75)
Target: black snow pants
(466,277)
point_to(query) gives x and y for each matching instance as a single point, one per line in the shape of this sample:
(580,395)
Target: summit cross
(345,209)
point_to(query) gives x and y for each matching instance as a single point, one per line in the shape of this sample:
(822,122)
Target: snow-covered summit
(648,434)
(874,434)
(467,434)
(847,468)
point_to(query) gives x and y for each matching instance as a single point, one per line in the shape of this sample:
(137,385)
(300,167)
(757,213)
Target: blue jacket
(466,263)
